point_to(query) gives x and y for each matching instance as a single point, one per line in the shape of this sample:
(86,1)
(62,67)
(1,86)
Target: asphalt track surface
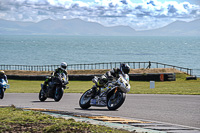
(173,109)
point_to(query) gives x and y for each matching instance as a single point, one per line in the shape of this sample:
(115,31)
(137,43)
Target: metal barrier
(29,67)
(92,66)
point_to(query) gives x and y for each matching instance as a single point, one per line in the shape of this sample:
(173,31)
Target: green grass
(17,120)
(180,86)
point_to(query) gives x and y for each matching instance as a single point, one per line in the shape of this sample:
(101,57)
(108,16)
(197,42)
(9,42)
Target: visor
(64,67)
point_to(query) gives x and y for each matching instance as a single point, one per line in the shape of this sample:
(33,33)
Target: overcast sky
(138,14)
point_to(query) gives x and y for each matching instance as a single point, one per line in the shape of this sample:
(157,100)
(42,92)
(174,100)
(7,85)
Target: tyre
(84,101)
(114,101)
(58,94)
(1,93)
(42,96)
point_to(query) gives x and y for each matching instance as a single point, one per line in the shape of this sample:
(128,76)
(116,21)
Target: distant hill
(84,28)
(177,28)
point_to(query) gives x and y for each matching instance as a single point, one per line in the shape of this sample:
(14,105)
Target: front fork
(57,89)
(115,93)
(44,92)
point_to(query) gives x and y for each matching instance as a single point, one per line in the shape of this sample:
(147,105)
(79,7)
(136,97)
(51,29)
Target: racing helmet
(2,73)
(63,65)
(125,68)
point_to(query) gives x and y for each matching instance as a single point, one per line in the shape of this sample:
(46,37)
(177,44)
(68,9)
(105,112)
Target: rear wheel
(42,96)
(1,93)
(58,94)
(84,101)
(115,100)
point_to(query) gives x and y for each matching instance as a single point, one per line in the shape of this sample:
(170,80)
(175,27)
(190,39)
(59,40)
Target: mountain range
(84,28)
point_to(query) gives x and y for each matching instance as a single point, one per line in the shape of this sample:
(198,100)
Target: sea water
(52,50)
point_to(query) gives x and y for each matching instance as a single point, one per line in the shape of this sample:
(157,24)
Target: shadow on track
(42,102)
(94,109)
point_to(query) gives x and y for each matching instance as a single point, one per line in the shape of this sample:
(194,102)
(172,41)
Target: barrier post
(152,84)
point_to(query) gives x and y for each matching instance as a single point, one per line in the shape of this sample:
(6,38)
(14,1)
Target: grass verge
(17,120)
(180,86)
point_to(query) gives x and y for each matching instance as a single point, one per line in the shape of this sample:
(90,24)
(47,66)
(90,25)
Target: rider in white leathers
(108,76)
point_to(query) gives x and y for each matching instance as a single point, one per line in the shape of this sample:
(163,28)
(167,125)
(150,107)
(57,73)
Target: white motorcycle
(112,95)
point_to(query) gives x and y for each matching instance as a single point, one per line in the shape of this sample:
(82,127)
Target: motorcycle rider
(3,76)
(59,70)
(108,76)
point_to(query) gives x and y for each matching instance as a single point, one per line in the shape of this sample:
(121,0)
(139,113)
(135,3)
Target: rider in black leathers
(61,69)
(108,76)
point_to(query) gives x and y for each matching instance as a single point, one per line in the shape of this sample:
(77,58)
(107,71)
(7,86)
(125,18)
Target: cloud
(140,16)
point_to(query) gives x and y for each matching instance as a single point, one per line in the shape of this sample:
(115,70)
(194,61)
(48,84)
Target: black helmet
(125,68)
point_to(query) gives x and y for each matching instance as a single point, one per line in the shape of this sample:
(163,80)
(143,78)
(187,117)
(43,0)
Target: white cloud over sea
(141,16)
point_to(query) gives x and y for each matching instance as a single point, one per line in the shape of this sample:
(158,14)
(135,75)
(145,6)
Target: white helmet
(63,65)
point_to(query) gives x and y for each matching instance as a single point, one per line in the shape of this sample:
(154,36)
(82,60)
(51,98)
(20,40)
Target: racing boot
(94,91)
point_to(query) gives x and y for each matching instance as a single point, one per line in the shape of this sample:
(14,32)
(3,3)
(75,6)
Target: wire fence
(93,66)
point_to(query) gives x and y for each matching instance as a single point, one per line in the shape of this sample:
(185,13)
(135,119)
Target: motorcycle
(3,87)
(55,88)
(112,95)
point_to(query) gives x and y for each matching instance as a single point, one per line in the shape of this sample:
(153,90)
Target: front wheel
(1,93)
(58,94)
(42,96)
(115,100)
(84,101)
